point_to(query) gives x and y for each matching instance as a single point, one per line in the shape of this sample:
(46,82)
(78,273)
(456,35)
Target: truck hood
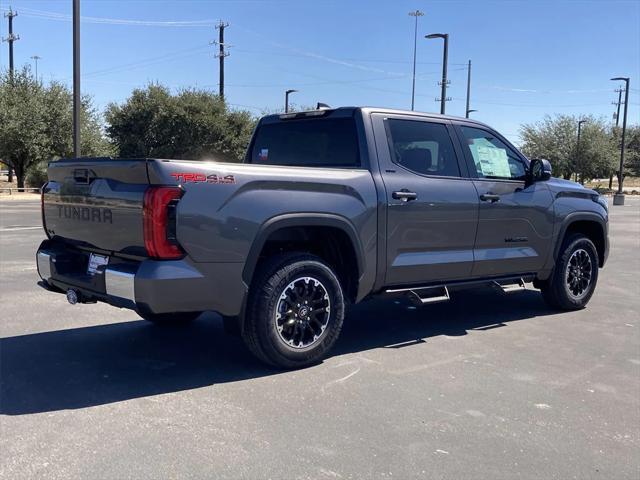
(559,185)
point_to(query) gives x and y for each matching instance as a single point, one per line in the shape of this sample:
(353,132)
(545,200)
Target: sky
(529,58)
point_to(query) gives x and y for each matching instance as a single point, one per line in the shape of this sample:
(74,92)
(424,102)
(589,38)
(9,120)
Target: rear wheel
(170,319)
(295,311)
(575,275)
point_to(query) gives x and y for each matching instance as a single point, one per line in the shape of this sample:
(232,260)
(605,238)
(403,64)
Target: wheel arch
(299,222)
(592,225)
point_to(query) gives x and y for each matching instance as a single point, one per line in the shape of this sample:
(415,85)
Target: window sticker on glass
(263,156)
(491,161)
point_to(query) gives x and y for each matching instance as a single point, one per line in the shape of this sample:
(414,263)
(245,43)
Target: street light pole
(35,58)
(76,78)
(416,14)
(467,110)
(286,99)
(618,198)
(443,94)
(579,161)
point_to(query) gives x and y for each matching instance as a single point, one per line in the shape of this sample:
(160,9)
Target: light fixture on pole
(443,94)
(286,99)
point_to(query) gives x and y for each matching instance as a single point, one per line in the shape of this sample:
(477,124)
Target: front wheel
(574,276)
(295,311)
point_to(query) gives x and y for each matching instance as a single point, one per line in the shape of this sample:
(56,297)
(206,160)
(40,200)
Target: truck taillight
(157,238)
(44,223)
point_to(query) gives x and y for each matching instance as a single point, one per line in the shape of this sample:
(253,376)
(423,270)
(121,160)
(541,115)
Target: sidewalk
(19,196)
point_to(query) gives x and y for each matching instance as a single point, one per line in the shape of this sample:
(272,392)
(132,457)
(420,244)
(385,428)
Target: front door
(432,207)
(515,223)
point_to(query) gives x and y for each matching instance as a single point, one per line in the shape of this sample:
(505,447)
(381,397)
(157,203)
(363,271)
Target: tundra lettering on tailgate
(85,214)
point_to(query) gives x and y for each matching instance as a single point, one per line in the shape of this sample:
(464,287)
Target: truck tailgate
(97,203)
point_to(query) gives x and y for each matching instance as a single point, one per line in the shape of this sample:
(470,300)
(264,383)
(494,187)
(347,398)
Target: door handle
(490,197)
(404,195)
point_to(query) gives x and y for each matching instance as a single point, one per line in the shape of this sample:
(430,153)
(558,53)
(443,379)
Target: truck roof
(368,109)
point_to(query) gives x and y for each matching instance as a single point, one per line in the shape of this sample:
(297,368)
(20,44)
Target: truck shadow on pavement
(91,366)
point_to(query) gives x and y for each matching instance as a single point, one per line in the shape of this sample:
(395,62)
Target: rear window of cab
(318,142)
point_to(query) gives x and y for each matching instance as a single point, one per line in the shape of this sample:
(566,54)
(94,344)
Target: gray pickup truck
(330,207)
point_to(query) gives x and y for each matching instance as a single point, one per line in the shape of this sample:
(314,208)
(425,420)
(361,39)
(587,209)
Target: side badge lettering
(187,177)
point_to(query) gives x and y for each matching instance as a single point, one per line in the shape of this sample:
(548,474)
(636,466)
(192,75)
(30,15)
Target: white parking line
(17,229)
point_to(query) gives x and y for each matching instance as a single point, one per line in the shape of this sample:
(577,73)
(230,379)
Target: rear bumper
(145,286)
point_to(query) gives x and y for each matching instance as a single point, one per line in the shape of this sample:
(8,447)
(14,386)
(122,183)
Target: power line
(309,84)
(529,90)
(362,60)
(31,12)
(536,104)
(149,61)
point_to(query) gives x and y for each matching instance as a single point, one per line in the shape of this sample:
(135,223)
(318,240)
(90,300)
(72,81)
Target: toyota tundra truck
(330,207)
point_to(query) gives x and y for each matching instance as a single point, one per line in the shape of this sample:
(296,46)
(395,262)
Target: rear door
(432,207)
(515,221)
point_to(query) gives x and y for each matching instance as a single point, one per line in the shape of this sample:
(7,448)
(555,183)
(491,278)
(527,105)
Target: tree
(596,153)
(555,138)
(632,152)
(35,123)
(192,124)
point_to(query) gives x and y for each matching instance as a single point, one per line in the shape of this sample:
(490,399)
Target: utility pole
(35,58)
(416,14)
(468,110)
(619,91)
(616,116)
(578,160)
(444,81)
(10,39)
(618,198)
(76,78)
(222,53)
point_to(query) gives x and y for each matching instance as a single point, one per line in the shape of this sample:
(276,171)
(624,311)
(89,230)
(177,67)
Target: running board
(518,286)
(424,295)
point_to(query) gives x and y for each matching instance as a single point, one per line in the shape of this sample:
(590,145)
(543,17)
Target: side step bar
(440,293)
(518,286)
(425,295)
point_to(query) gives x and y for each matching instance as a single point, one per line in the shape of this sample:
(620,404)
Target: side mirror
(539,170)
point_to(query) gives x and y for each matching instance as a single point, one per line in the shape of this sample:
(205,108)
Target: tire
(170,319)
(568,288)
(282,332)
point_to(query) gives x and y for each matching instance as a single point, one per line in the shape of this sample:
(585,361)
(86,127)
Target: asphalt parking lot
(487,386)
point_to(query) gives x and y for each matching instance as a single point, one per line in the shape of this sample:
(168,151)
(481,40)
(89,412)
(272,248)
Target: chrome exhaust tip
(72,296)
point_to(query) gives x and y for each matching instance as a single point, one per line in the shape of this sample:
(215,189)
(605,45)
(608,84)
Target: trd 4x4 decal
(188,177)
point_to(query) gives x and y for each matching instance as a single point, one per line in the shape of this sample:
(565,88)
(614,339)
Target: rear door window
(422,147)
(326,142)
